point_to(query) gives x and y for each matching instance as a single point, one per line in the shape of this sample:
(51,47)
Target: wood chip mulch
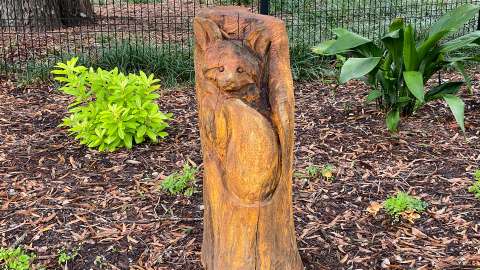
(56,195)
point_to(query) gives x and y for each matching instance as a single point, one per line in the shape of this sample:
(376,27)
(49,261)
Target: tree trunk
(44,13)
(74,12)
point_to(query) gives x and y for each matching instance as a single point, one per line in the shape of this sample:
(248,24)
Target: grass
(99,2)
(307,66)
(172,65)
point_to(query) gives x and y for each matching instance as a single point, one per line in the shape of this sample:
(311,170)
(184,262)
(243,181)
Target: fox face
(230,66)
(236,67)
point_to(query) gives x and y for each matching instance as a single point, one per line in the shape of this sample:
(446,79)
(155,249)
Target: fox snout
(228,83)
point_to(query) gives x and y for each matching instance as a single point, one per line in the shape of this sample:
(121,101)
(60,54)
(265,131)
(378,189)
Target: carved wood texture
(246,114)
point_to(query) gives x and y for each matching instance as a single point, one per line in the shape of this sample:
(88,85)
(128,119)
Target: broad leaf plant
(399,67)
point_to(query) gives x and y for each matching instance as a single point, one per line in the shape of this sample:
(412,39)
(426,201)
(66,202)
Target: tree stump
(245,97)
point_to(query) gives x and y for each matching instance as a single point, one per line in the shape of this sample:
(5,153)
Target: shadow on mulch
(55,194)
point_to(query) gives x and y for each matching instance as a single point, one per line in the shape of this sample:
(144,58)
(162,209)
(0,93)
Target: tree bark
(246,115)
(44,13)
(75,11)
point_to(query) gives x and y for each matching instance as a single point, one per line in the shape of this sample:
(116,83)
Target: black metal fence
(33,33)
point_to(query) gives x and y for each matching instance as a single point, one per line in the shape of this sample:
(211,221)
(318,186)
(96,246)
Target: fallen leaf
(374,208)
(411,216)
(418,233)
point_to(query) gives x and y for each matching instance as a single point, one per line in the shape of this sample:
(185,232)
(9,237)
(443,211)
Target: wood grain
(246,115)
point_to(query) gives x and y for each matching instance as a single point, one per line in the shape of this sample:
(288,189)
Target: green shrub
(15,259)
(181,182)
(111,110)
(475,188)
(403,203)
(398,70)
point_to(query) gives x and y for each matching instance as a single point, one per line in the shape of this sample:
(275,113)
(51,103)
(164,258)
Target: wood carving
(246,110)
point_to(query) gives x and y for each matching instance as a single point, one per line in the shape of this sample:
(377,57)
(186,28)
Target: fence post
(264,7)
(478,25)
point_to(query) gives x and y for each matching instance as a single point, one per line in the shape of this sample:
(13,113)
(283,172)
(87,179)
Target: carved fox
(245,102)
(246,141)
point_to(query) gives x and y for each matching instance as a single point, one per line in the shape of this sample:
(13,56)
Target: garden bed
(56,195)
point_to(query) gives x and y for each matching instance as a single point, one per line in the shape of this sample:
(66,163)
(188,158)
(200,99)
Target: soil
(57,195)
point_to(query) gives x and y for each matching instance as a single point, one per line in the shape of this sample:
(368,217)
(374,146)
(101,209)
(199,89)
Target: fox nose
(228,82)
(228,85)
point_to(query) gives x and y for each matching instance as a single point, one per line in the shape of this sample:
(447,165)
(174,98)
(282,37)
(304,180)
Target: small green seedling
(475,188)
(181,182)
(65,257)
(312,170)
(405,206)
(15,259)
(327,172)
(99,261)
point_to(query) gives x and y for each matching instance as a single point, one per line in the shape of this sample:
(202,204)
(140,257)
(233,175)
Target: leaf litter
(55,194)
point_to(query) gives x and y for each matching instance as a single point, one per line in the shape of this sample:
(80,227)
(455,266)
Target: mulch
(57,195)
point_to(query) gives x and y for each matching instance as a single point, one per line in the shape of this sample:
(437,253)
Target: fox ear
(206,32)
(258,42)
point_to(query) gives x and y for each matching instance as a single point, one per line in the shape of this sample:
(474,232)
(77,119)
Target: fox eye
(221,69)
(240,70)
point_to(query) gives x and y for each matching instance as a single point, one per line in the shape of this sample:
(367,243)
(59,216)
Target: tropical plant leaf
(393,119)
(461,68)
(447,25)
(430,44)
(475,58)
(461,42)
(373,95)
(449,88)
(345,41)
(358,67)
(393,41)
(397,24)
(454,19)
(414,82)
(397,70)
(410,57)
(322,47)
(458,109)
